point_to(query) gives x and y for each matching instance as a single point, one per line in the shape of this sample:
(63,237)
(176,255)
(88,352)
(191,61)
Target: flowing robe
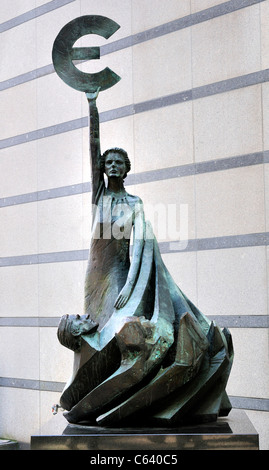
(144,355)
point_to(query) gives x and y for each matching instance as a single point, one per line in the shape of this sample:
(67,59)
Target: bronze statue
(143,353)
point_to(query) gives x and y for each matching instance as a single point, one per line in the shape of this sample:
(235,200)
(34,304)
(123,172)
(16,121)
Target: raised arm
(95,150)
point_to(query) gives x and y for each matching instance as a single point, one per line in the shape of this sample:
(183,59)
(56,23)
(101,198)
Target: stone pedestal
(234,432)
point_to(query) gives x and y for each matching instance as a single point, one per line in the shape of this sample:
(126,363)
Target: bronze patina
(63,53)
(143,352)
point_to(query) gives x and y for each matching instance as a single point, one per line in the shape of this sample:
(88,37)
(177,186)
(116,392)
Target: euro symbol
(63,53)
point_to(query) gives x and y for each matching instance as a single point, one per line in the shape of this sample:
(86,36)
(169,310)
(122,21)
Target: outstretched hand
(123,296)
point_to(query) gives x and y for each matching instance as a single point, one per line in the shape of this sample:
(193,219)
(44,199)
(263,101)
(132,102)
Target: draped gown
(157,357)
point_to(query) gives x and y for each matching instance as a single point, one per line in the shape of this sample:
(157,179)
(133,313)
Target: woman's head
(115,163)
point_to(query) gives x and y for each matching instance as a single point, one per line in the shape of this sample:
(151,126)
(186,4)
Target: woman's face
(115,165)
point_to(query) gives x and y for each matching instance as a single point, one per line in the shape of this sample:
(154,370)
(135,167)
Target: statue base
(234,432)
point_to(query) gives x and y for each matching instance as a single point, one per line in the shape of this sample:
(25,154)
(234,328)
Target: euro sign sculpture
(143,352)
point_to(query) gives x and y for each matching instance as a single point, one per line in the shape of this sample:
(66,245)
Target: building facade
(192,111)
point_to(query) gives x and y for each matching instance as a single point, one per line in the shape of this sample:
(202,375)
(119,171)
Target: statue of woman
(110,277)
(140,338)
